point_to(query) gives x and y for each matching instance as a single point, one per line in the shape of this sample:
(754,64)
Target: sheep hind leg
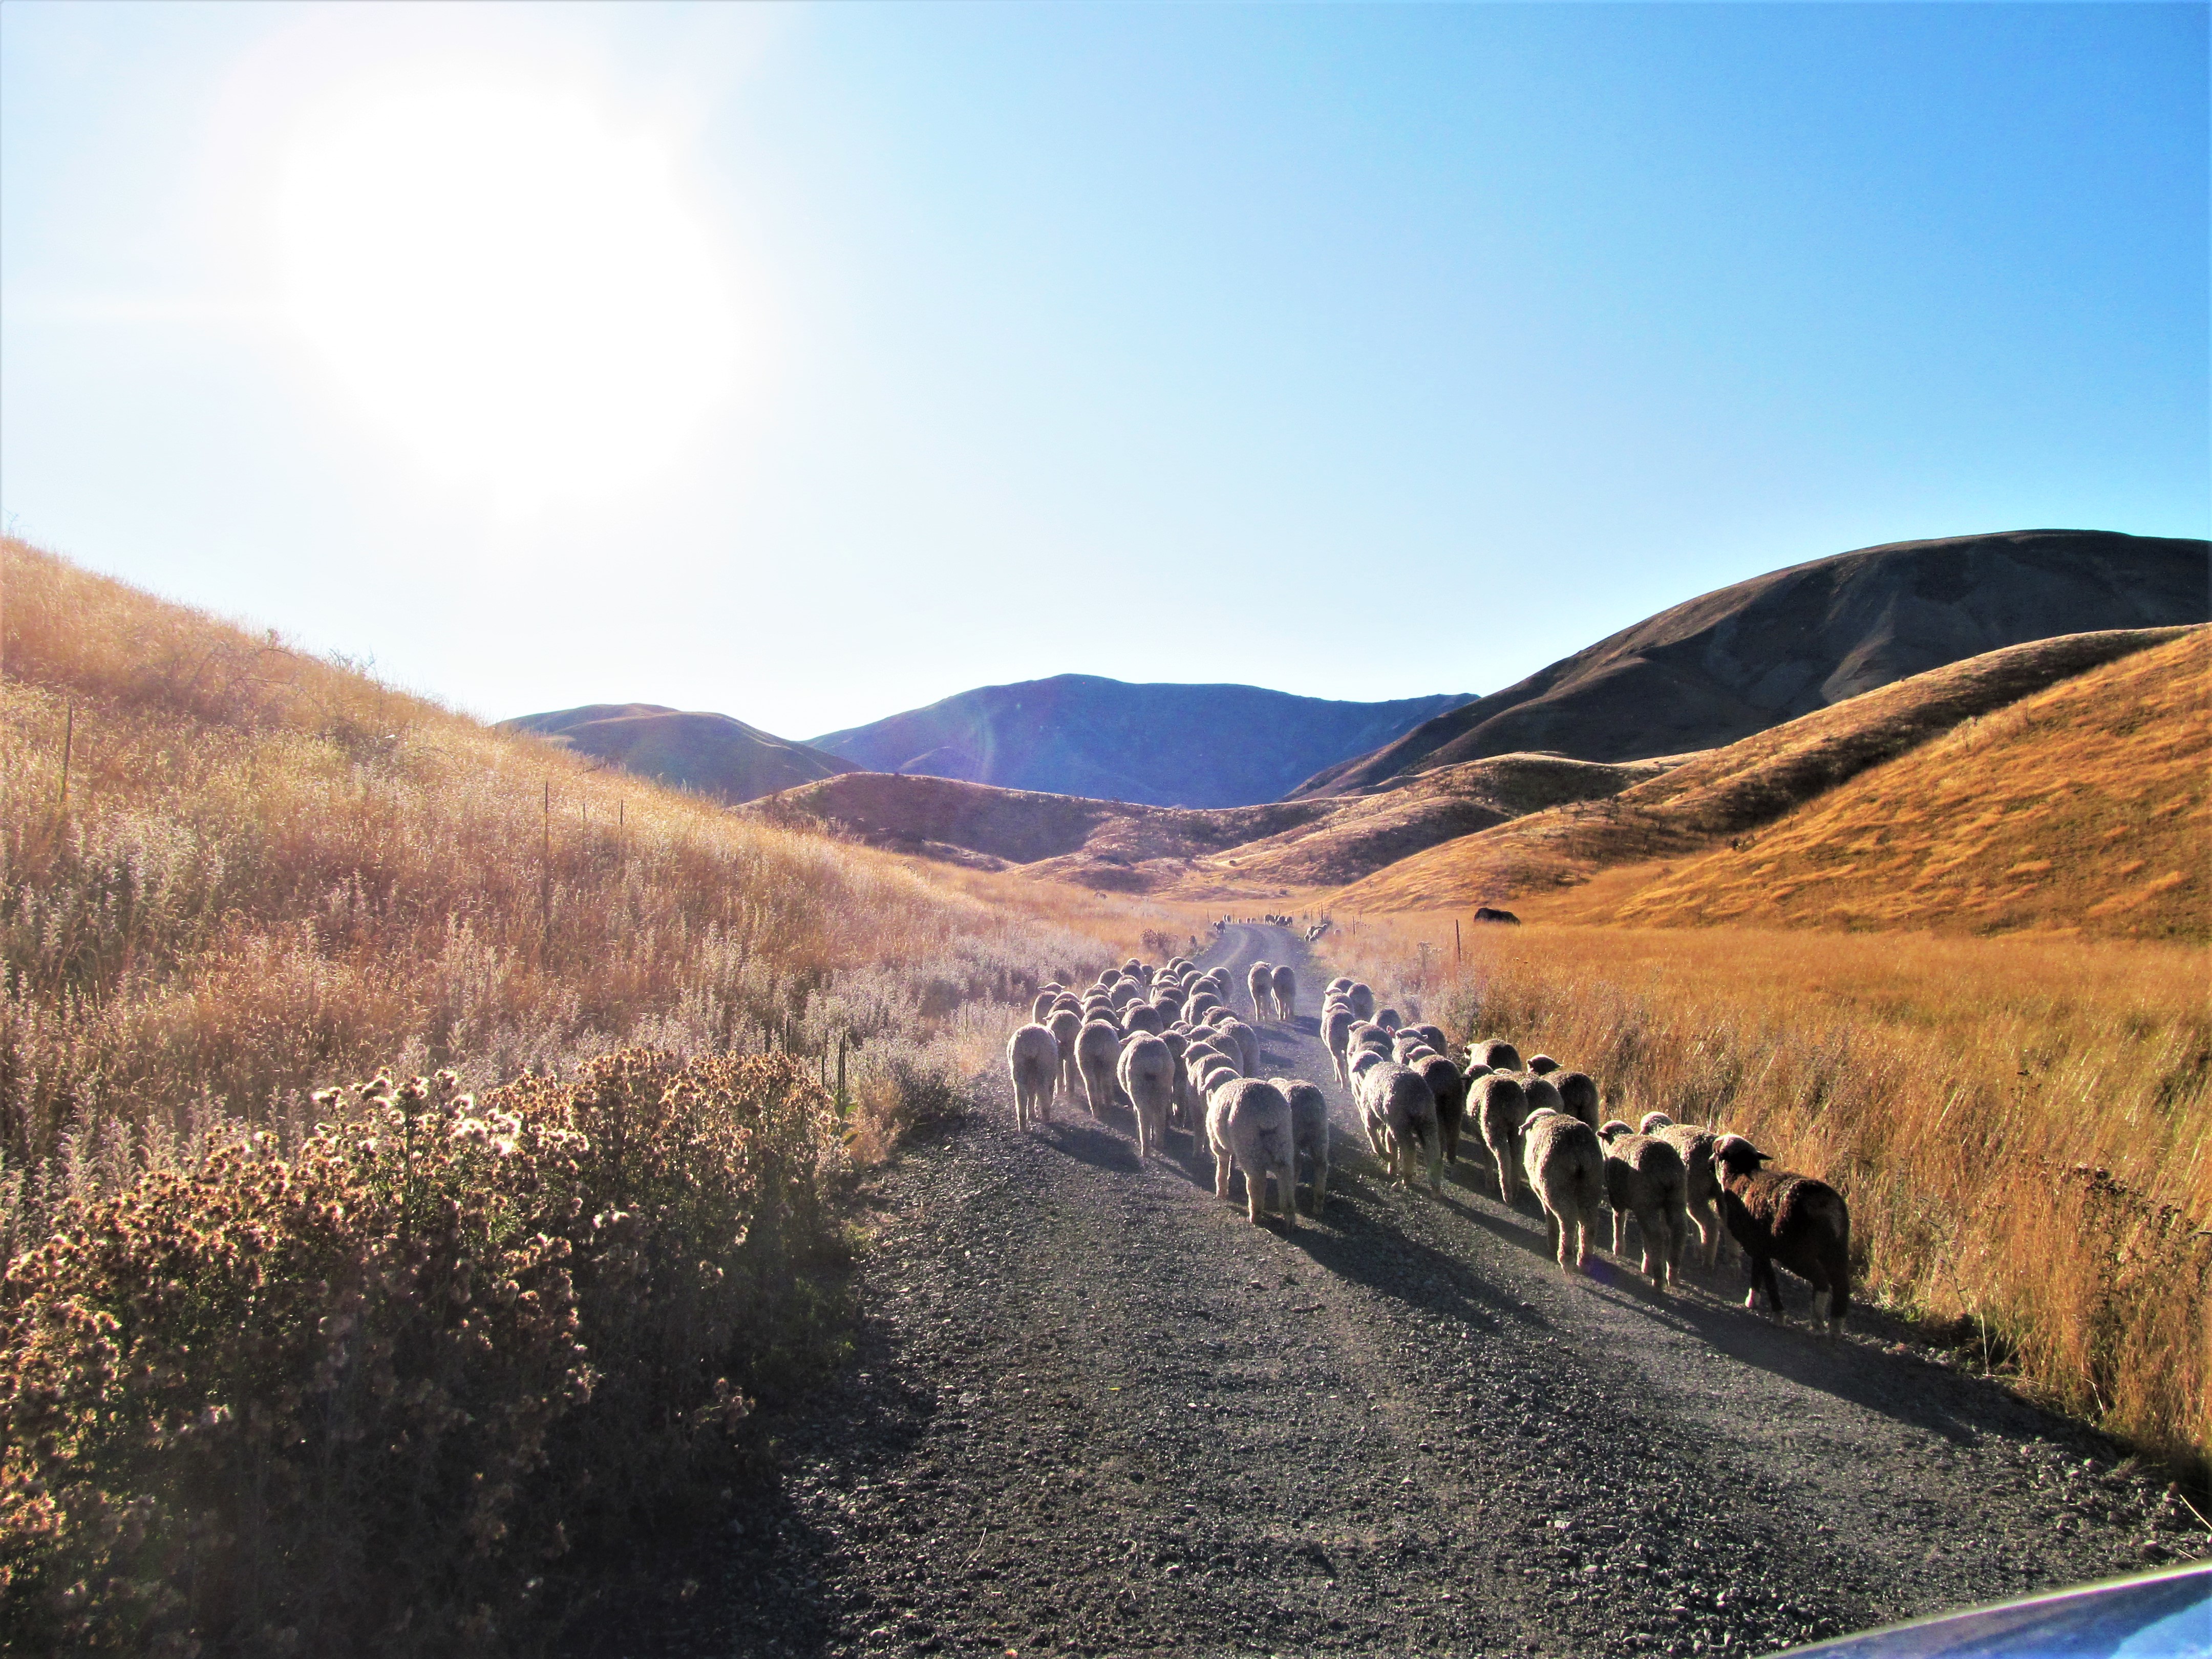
(1255,1194)
(1286,1190)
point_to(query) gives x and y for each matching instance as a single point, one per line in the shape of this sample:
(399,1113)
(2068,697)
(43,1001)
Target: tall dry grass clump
(230,871)
(374,1397)
(2023,1128)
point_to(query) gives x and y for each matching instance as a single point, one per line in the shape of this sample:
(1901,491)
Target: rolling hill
(1718,795)
(2083,809)
(1156,745)
(1739,660)
(711,754)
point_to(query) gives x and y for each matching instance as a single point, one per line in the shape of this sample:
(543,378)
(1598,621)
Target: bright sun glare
(509,283)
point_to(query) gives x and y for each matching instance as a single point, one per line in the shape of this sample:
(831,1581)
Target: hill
(711,754)
(1156,745)
(1723,666)
(1118,845)
(2080,810)
(1713,797)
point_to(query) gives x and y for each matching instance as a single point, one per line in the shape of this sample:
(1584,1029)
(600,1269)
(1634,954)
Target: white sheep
(1497,1103)
(1286,991)
(1247,1124)
(1644,1178)
(1098,1053)
(1147,1075)
(1247,1040)
(1308,1132)
(1259,986)
(1565,1167)
(1398,1104)
(1362,999)
(1033,1058)
(1336,1038)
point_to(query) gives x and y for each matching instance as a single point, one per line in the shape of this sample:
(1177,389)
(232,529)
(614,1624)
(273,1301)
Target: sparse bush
(367,1398)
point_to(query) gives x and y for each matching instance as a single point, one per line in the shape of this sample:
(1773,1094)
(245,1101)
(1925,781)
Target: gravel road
(1096,1412)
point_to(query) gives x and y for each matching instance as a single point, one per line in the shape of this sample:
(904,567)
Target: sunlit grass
(266,872)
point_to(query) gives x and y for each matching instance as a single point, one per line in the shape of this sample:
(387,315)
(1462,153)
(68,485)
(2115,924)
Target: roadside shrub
(366,1398)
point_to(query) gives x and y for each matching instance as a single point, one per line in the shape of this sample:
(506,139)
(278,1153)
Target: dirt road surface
(1096,1412)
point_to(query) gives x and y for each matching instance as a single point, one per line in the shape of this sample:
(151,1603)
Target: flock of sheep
(1169,1042)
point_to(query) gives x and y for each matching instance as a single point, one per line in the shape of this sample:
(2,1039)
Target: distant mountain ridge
(1153,744)
(1747,657)
(713,754)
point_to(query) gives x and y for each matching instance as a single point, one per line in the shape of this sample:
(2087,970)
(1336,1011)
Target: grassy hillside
(711,754)
(2023,1126)
(1741,660)
(1718,796)
(300,1349)
(2080,810)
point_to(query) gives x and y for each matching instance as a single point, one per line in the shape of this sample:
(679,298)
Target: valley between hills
(555,1187)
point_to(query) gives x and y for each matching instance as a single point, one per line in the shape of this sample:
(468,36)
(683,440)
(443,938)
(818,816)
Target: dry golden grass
(1715,797)
(2023,1126)
(270,871)
(2082,810)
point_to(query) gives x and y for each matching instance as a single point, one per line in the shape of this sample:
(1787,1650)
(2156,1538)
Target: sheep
(1543,1094)
(1336,1038)
(1259,982)
(1201,1003)
(1033,1057)
(1497,1053)
(1541,1065)
(1041,1009)
(1695,1143)
(1068,1000)
(1308,1132)
(1405,1042)
(1142,1017)
(1286,991)
(1064,1024)
(1147,1072)
(1396,1102)
(1247,1124)
(1169,1000)
(1802,1223)
(1497,1102)
(1578,1092)
(1644,1177)
(1389,1018)
(1098,1051)
(1362,999)
(1362,1062)
(1450,1088)
(1247,1040)
(1341,983)
(1218,979)
(1565,1167)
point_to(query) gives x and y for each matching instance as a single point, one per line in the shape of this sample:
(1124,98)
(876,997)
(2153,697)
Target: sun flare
(509,281)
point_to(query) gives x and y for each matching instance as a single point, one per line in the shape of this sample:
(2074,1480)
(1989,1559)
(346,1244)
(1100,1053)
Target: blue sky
(1361,351)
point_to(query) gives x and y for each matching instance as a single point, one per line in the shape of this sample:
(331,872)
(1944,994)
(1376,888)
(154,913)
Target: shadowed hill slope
(1720,794)
(1745,658)
(1156,745)
(1068,837)
(2082,809)
(712,754)
(1362,834)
